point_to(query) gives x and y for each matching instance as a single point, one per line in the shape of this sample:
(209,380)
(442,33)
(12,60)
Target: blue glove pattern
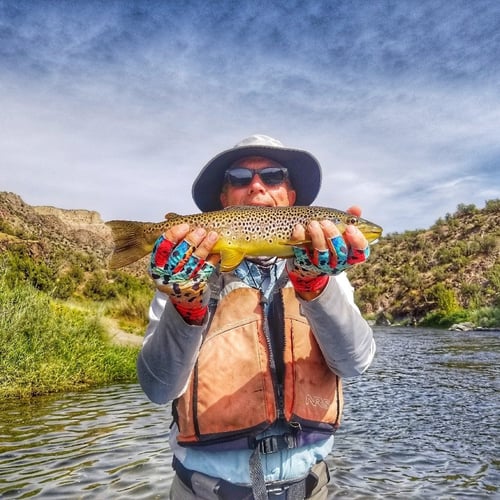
(182,275)
(310,268)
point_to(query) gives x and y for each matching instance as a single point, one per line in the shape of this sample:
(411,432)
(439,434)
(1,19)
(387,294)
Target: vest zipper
(276,375)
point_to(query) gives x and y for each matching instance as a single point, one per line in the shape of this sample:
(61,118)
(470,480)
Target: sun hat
(304,170)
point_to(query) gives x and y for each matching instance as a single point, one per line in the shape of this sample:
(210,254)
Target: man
(252,359)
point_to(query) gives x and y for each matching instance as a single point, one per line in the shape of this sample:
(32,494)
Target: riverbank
(478,319)
(48,347)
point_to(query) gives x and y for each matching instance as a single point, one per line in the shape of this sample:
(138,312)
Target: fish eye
(352,220)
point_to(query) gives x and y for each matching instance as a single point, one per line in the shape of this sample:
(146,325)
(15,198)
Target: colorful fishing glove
(182,276)
(310,269)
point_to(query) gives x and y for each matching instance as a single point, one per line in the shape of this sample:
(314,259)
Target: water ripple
(421,423)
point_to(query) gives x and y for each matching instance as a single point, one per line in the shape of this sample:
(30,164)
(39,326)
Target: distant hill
(450,266)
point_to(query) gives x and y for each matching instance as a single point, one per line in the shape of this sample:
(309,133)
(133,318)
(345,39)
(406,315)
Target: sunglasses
(242,176)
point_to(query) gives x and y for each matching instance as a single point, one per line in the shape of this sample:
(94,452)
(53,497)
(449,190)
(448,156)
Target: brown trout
(243,230)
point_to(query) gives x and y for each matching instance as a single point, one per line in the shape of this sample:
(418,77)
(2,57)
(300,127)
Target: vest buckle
(272,444)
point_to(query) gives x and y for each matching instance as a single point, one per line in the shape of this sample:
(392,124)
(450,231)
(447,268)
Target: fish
(243,231)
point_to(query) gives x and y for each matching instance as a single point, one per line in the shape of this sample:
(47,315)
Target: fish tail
(130,241)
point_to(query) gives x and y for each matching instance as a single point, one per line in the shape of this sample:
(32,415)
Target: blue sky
(115,106)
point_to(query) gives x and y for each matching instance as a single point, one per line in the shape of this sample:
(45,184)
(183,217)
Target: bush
(492,206)
(445,299)
(19,266)
(488,244)
(473,295)
(64,287)
(442,320)
(463,209)
(493,276)
(486,317)
(126,284)
(99,288)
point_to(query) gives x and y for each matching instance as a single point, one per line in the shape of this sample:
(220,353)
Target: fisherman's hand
(331,254)
(181,265)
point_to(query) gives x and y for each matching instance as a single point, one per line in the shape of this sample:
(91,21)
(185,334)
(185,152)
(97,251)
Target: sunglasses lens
(272,176)
(239,177)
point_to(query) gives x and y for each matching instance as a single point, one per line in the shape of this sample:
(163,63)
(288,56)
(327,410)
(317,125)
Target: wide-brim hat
(304,170)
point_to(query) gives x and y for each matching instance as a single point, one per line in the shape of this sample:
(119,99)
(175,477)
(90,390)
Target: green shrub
(445,299)
(488,243)
(410,277)
(64,287)
(126,284)
(472,294)
(486,317)
(492,206)
(99,288)
(493,276)
(19,266)
(463,209)
(442,320)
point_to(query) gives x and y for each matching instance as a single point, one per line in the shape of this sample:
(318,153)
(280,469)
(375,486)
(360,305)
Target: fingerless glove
(183,276)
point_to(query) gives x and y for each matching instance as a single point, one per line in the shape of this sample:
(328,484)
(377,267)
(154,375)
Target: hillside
(451,266)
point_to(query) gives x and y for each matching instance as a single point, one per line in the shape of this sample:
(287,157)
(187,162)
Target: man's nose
(257,182)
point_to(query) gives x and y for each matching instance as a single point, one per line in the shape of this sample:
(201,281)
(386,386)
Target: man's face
(257,192)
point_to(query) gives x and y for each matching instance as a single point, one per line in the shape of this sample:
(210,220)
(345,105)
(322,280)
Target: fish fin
(130,243)
(230,259)
(296,243)
(171,215)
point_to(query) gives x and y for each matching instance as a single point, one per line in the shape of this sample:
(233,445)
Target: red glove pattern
(182,276)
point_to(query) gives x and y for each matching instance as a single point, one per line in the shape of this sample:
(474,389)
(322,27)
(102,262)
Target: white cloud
(118,109)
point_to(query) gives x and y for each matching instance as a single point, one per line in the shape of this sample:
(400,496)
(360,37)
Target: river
(421,423)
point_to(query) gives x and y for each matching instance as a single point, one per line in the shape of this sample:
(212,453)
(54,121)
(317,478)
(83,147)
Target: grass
(47,347)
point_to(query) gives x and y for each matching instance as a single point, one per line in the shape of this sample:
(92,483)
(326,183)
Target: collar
(261,276)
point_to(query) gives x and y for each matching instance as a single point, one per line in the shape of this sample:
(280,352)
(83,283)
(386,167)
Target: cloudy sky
(115,106)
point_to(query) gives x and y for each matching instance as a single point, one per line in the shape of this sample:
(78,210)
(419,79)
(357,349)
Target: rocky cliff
(44,228)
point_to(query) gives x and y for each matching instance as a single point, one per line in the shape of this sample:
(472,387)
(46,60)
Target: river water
(422,423)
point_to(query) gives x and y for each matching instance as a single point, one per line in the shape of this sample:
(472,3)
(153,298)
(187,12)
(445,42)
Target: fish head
(370,230)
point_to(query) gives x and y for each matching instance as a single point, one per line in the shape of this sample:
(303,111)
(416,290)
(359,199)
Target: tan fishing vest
(231,391)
